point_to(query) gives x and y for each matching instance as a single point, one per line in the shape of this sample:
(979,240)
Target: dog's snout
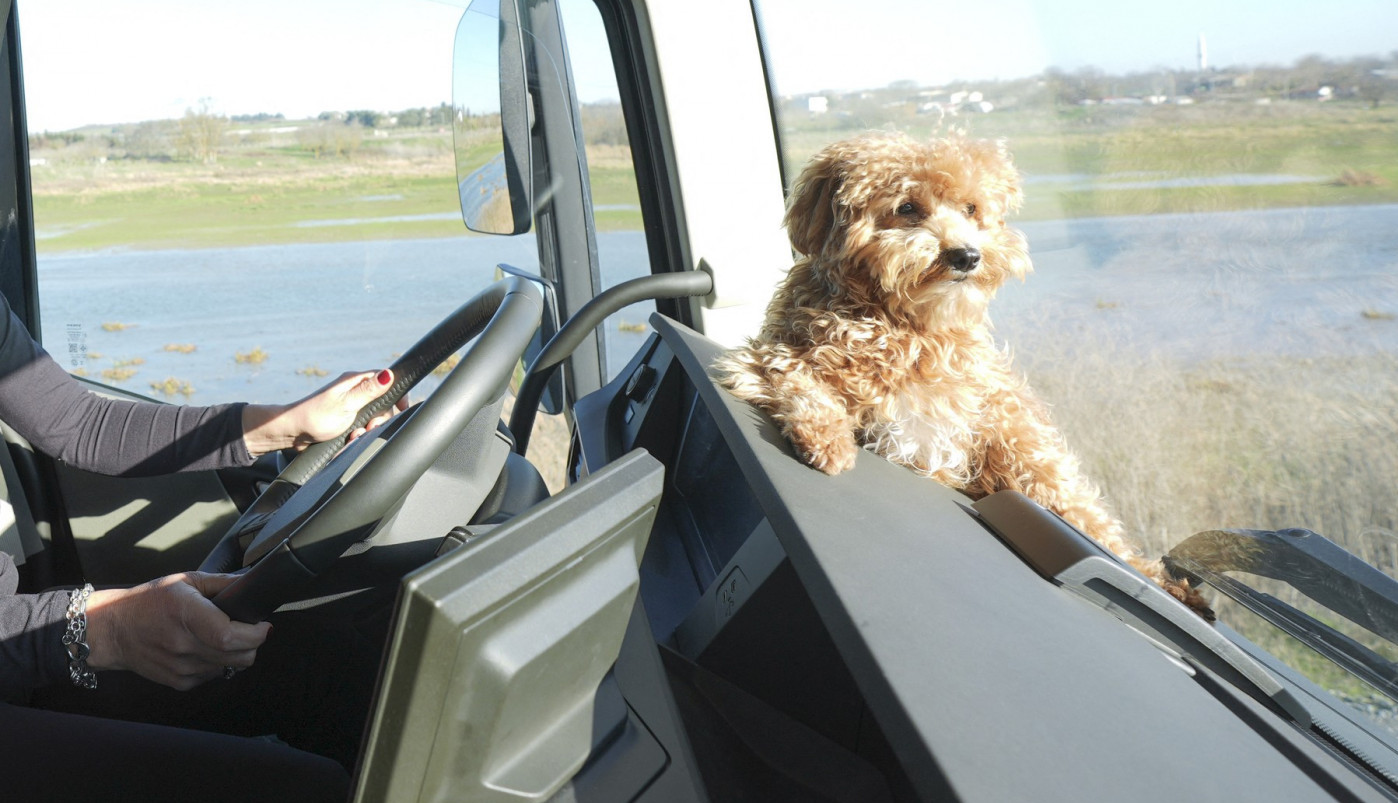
(963,259)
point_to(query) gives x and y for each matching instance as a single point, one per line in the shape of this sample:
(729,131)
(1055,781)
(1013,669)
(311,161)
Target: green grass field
(1060,150)
(272,188)
(268,190)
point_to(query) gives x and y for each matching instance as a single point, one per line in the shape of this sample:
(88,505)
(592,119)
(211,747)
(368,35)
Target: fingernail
(384,377)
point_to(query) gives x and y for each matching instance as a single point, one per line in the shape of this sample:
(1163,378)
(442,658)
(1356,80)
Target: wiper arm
(1318,568)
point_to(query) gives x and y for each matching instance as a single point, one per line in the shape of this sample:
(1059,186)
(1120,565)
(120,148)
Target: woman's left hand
(318,417)
(168,631)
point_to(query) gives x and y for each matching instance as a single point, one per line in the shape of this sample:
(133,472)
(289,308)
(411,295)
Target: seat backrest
(19,535)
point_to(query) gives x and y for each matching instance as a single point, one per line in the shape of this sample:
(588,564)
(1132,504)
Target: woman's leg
(48,755)
(310,687)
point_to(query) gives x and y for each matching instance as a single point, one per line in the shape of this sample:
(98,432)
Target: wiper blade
(1353,656)
(1318,568)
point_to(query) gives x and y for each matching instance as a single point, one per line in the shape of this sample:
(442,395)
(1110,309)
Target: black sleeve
(31,636)
(122,438)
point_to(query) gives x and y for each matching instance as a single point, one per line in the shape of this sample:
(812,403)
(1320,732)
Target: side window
(616,207)
(246,228)
(217,223)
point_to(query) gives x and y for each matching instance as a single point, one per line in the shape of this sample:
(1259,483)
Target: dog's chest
(929,431)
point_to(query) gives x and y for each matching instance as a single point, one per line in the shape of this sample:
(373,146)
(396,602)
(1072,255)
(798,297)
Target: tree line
(1370,80)
(202,132)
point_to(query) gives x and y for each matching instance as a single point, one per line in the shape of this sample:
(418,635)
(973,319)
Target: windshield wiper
(1314,566)
(1322,570)
(1062,554)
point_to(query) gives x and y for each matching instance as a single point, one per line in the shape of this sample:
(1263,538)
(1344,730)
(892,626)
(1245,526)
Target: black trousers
(131,739)
(51,755)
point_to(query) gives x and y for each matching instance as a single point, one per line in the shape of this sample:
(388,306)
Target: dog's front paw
(1190,596)
(830,455)
(1177,587)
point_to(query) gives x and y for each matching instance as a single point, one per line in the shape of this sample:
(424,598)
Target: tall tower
(1203,53)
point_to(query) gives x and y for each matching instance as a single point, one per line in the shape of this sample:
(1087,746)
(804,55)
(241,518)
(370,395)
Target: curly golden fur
(879,336)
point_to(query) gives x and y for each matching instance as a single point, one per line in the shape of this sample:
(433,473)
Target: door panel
(128,530)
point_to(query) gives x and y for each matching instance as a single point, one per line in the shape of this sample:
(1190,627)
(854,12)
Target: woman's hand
(168,631)
(318,417)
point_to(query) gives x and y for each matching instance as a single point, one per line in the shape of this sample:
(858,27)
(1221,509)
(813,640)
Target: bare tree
(335,139)
(201,132)
(150,140)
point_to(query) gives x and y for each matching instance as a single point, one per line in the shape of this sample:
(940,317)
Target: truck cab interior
(603,578)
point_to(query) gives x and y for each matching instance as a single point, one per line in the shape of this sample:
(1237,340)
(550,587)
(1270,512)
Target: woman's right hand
(168,631)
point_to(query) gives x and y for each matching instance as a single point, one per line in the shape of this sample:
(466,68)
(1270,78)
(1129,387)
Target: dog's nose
(964,260)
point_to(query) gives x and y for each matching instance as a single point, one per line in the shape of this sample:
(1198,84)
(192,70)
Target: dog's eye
(907,208)
(970,210)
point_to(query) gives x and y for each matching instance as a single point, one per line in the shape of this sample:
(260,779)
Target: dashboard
(878,620)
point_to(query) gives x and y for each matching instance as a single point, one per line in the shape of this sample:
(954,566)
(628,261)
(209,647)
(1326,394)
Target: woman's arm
(31,633)
(125,438)
(166,630)
(62,419)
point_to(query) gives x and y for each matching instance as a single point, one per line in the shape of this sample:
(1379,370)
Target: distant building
(817,104)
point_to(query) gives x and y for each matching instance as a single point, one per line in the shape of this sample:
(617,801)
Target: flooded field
(1295,282)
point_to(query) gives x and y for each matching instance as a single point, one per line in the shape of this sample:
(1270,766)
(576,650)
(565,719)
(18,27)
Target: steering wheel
(327,500)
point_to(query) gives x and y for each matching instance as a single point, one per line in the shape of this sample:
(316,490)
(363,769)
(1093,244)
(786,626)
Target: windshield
(1211,204)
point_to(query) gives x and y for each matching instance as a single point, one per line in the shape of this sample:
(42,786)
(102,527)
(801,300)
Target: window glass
(240,202)
(1212,210)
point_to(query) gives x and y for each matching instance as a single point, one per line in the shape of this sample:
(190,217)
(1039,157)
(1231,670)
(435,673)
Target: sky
(98,61)
(935,41)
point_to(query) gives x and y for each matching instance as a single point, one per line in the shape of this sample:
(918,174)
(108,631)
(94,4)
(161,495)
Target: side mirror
(491,126)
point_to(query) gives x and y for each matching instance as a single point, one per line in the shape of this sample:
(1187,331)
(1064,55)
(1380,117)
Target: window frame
(18,262)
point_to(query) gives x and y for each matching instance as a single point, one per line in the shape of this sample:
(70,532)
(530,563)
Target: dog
(879,335)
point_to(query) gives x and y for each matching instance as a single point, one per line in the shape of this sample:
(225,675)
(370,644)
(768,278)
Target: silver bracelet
(75,639)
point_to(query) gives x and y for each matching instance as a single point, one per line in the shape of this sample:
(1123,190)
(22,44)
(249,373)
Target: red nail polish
(384,377)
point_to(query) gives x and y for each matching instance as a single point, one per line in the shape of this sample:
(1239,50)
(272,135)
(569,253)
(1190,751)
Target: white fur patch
(927,437)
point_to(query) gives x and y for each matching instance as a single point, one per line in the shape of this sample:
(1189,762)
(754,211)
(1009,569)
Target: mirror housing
(490,131)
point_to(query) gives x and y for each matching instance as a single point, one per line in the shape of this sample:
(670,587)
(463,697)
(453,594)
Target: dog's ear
(1002,183)
(1012,254)
(812,214)
(1004,194)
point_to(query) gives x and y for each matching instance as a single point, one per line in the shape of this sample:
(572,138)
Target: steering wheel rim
(294,551)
